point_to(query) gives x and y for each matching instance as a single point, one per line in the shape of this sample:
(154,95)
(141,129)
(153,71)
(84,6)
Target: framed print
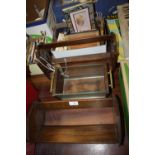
(80,20)
(75,8)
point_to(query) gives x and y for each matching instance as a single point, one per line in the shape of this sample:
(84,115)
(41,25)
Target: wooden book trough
(87,121)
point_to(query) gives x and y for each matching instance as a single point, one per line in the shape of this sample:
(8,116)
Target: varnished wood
(33,125)
(86,80)
(78,82)
(83,103)
(79,149)
(42,84)
(80,36)
(93,116)
(40,81)
(109,57)
(81,132)
(84,85)
(78,134)
(77,41)
(76,127)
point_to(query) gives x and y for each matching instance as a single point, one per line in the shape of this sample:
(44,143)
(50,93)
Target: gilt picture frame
(80,20)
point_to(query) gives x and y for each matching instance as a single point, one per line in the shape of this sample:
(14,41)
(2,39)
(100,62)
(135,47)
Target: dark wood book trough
(87,121)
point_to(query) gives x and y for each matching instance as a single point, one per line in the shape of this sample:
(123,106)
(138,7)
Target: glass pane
(81,81)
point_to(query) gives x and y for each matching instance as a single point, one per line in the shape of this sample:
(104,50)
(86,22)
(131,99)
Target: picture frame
(81,20)
(66,2)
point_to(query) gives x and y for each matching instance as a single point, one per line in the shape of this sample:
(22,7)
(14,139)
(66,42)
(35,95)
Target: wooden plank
(85,103)
(40,81)
(78,134)
(83,86)
(81,149)
(80,36)
(42,84)
(85,116)
(77,41)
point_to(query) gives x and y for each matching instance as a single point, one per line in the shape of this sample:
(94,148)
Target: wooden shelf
(93,116)
(78,134)
(92,121)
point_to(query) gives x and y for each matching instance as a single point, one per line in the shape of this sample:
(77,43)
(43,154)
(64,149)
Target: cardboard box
(39,18)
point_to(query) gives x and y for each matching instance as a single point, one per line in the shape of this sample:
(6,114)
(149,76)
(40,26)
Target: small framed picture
(80,20)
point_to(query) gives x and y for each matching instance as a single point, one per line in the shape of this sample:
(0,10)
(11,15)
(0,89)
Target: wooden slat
(77,41)
(80,36)
(85,103)
(78,134)
(85,116)
(84,85)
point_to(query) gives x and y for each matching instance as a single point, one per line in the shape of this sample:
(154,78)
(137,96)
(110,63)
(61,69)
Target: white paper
(73,103)
(80,52)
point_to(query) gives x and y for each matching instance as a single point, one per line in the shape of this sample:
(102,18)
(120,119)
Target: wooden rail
(76,42)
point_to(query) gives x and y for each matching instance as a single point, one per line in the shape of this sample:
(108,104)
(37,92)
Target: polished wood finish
(72,86)
(78,134)
(83,103)
(65,130)
(109,57)
(73,125)
(91,80)
(42,84)
(32,124)
(81,149)
(93,116)
(78,149)
(40,81)
(81,36)
(77,42)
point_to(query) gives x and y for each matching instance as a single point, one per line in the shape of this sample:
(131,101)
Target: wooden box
(87,121)
(81,81)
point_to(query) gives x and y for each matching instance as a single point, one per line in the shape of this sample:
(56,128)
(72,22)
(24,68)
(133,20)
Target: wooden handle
(52,81)
(111,79)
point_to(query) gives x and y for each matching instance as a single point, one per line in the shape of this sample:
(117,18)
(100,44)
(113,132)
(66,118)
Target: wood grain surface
(84,40)
(78,149)
(80,117)
(84,85)
(78,134)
